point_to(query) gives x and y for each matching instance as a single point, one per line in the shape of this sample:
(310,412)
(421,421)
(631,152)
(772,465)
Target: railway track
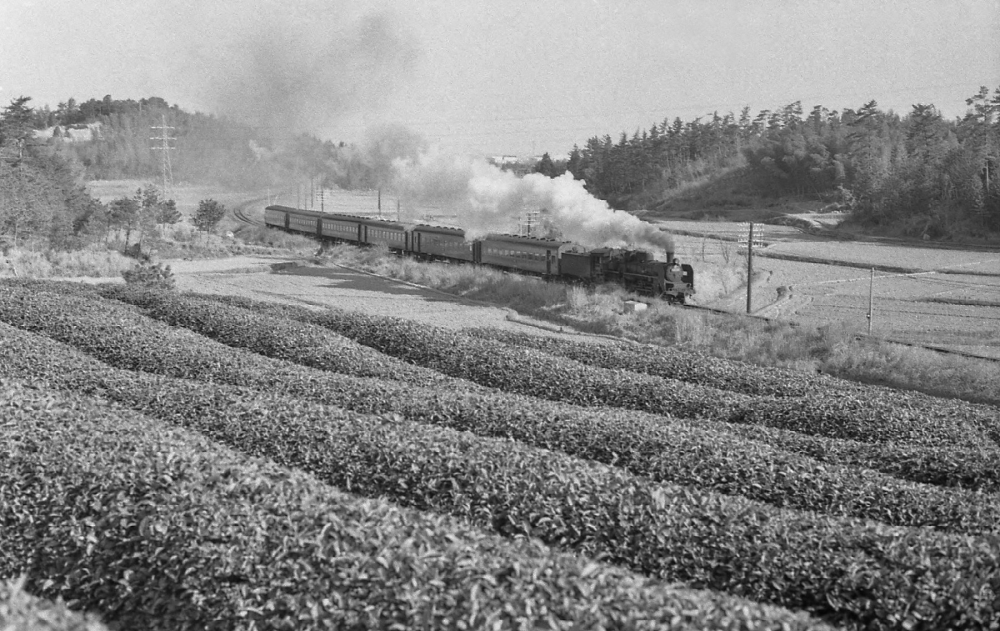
(240,212)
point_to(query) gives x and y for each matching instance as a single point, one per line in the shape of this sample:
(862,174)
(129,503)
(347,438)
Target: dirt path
(291,281)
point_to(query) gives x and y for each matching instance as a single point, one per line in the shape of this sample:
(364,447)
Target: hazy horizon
(503,77)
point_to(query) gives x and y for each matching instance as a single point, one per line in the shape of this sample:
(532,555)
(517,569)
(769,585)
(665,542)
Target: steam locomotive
(636,270)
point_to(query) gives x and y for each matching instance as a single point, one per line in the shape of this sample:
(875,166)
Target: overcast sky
(499,76)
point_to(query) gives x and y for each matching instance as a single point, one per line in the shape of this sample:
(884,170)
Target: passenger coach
(540,256)
(439,242)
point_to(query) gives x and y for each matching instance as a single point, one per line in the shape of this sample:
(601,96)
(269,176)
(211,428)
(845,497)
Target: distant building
(71,133)
(502,161)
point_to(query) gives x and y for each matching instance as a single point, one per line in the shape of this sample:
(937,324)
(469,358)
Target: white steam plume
(487,199)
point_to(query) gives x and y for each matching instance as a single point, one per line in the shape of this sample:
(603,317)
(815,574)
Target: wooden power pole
(750,268)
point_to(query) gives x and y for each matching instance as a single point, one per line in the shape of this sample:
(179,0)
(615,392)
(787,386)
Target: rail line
(240,212)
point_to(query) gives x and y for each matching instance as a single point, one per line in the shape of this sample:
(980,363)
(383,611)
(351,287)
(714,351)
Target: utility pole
(164,148)
(750,268)
(871,301)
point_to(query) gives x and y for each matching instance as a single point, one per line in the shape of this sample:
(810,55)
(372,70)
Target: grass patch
(911,368)
(93,261)
(271,238)
(105,260)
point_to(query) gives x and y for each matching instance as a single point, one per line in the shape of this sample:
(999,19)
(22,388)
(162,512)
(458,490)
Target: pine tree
(209,214)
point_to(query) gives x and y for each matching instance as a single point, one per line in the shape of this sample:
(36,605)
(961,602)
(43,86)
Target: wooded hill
(204,149)
(918,171)
(47,155)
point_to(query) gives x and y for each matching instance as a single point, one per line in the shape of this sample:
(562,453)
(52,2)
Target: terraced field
(196,461)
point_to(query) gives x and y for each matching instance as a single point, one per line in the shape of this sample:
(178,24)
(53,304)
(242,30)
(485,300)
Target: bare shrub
(153,276)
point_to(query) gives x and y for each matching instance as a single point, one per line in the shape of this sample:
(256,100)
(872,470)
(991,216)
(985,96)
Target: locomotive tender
(636,270)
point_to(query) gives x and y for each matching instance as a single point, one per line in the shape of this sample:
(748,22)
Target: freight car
(636,270)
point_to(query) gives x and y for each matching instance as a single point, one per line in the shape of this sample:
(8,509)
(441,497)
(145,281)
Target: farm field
(339,468)
(948,298)
(250,277)
(186,196)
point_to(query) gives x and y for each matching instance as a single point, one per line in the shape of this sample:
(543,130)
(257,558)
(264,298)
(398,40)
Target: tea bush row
(512,372)
(157,528)
(666,451)
(847,570)
(703,453)
(668,362)
(876,415)
(280,338)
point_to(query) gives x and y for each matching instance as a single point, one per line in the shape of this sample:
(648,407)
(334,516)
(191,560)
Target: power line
(165,148)
(706,108)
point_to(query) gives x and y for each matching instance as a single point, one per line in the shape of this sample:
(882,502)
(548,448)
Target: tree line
(917,168)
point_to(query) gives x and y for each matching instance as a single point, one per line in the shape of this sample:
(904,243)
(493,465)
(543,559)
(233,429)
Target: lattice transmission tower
(164,148)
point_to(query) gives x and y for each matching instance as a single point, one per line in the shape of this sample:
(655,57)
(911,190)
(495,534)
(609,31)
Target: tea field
(180,460)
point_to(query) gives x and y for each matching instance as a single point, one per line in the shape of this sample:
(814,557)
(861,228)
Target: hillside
(910,174)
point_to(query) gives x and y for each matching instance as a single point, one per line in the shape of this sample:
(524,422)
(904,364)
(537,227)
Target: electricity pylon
(165,148)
